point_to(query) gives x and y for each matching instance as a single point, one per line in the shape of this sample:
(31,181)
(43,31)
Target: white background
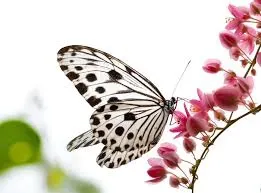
(157,38)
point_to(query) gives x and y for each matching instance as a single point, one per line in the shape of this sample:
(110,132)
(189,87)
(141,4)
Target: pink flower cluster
(197,123)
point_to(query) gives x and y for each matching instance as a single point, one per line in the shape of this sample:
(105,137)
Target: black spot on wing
(64,67)
(117,148)
(104,141)
(100,89)
(109,125)
(130,136)
(82,88)
(107,116)
(119,131)
(101,133)
(114,75)
(126,146)
(113,99)
(113,141)
(78,68)
(72,75)
(93,101)
(113,107)
(96,121)
(111,165)
(91,77)
(101,109)
(129,116)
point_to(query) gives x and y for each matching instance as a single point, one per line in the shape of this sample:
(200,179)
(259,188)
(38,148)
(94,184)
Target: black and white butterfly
(130,114)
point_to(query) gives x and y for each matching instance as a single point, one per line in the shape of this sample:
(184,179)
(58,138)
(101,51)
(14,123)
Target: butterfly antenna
(175,88)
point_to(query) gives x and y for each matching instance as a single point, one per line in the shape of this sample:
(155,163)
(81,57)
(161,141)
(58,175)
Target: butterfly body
(130,112)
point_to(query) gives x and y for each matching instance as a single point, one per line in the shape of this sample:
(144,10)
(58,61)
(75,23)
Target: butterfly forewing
(130,111)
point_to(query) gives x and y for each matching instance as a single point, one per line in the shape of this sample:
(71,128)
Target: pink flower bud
(174,181)
(166,147)
(244,63)
(184,180)
(171,159)
(228,39)
(219,115)
(155,162)
(205,139)
(253,71)
(157,172)
(251,105)
(189,144)
(212,66)
(227,98)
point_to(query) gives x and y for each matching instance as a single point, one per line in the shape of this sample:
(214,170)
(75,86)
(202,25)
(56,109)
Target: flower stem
(231,122)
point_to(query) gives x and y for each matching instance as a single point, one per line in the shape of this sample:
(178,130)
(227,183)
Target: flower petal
(227,98)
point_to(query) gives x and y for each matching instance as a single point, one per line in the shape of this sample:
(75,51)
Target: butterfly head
(171,104)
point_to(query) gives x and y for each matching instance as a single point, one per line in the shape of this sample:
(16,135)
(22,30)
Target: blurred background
(41,111)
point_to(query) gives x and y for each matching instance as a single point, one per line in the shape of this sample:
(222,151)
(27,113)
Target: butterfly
(130,112)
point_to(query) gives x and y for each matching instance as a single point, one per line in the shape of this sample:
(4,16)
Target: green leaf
(19,144)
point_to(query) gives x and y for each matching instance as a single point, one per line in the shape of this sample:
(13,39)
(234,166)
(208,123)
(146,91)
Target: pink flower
(255,8)
(158,173)
(227,97)
(206,100)
(234,53)
(247,43)
(257,1)
(189,144)
(181,120)
(230,78)
(245,85)
(157,170)
(205,103)
(174,181)
(241,13)
(233,24)
(171,159)
(168,152)
(258,59)
(228,39)
(212,66)
(166,147)
(244,29)
(196,124)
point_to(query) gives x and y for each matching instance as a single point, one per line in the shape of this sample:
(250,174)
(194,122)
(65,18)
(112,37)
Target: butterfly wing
(130,114)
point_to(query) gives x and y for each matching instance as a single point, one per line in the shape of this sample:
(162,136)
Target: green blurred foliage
(81,186)
(58,181)
(19,144)
(55,177)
